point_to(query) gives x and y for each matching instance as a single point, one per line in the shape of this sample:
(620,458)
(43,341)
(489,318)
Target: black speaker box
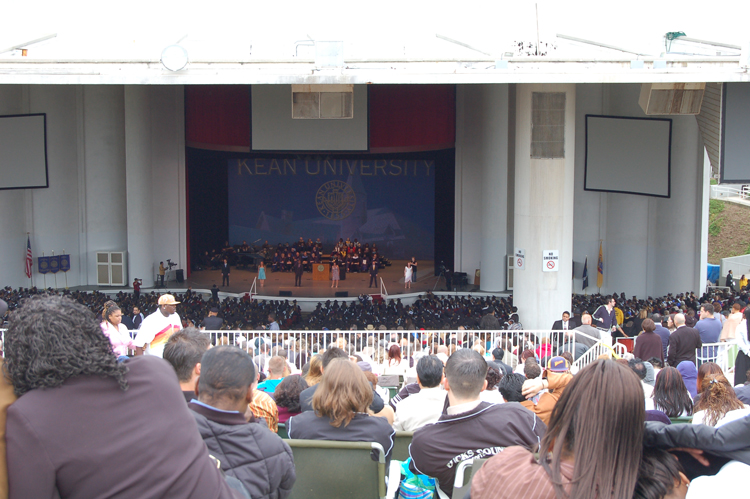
(342,294)
(285,293)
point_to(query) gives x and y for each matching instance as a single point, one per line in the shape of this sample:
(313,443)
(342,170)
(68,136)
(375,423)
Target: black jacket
(720,445)
(438,448)
(249,452)
(682,345)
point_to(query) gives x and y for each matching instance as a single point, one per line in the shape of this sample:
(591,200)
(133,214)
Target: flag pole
(53,254)
(45,275)
(66,273)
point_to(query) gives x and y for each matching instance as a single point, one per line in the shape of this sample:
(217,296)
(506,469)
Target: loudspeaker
(342,294)
(285,293)
(180,275)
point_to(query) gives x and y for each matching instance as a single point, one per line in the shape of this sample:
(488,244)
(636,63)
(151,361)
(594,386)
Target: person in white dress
(407,276)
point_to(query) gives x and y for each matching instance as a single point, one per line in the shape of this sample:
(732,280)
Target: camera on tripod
(170,264)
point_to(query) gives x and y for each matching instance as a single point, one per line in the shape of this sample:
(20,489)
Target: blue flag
(586,274)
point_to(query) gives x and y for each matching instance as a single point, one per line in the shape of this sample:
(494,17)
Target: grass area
(714,181)
(728,230)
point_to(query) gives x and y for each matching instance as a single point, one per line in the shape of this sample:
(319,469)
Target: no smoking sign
(550,260)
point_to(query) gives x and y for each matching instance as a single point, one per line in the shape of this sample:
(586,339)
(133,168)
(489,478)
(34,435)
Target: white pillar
(494,191)
(139,180)
(104,173)
(543,207)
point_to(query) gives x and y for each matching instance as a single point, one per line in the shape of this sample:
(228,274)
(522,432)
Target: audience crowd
(207,418)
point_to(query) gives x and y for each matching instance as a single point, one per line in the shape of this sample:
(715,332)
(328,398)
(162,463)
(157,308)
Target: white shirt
(492,396)
(699,416)
(155,331)
(731,479)
(420,409)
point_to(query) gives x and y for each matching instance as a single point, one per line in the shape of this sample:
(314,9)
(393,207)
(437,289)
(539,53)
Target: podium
(320,272)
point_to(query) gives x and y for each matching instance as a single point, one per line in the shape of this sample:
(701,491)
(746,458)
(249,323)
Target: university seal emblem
(335,200)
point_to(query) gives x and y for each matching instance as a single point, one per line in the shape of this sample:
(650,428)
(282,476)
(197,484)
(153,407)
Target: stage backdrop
(390,203)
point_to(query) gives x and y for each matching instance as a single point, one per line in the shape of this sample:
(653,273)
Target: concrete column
(494,190)
(543,213)
(138,181)
(104,171)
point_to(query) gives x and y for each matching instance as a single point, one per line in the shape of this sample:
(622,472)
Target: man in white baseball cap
(157,328)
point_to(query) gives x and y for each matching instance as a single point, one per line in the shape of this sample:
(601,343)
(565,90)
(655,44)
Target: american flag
(29,259)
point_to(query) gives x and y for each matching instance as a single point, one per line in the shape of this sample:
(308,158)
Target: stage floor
(240,281)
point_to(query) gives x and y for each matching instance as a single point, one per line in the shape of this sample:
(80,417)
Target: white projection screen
(23,151)
(628,155)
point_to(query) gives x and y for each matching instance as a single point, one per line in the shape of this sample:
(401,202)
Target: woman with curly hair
(72,390)
(490,393)
(286,396)
(117,333)
(718,404)
(670,395)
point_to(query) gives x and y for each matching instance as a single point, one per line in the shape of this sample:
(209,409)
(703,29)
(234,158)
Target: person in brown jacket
(557,378)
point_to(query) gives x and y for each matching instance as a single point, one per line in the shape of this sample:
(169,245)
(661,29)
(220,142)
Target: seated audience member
(426,406)
(287,396)
(377,406)
(277,370)
(558,377)
(660,476)
(531,368)
(395,363)
(639,368)
(183,351)
(593,443)
(56,356)
(689,376)
(246,450)
(670,395)
(704,370)
(511,387)
(340,410)
(497,358)
(490,393)
(743,391)
(683,342)
(718,403)
(263,407)
(469,424)
(314,372)
(648,344)
(117,333)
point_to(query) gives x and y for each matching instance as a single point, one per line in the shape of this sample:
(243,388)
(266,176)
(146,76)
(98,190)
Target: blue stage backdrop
(390,203)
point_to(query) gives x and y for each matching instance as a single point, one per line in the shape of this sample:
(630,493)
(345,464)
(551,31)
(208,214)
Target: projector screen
(735,148)
(23,151)
(628,155)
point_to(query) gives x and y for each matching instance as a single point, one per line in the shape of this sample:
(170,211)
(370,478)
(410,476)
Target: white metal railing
(254,287)
(733,190)
(723,354)
(383,291)
(374,342)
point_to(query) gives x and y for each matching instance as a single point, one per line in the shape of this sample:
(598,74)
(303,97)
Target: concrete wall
(652,246)
(85,209)
(482,183)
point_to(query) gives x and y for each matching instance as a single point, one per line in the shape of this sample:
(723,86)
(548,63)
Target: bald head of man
(679,320)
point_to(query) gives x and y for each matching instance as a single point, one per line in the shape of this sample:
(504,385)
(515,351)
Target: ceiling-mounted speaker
(671,98)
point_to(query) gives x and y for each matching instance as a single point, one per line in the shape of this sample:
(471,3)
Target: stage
(241,281)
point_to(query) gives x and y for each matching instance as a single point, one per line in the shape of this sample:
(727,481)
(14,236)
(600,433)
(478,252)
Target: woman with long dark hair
(670,394)
(592,448)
